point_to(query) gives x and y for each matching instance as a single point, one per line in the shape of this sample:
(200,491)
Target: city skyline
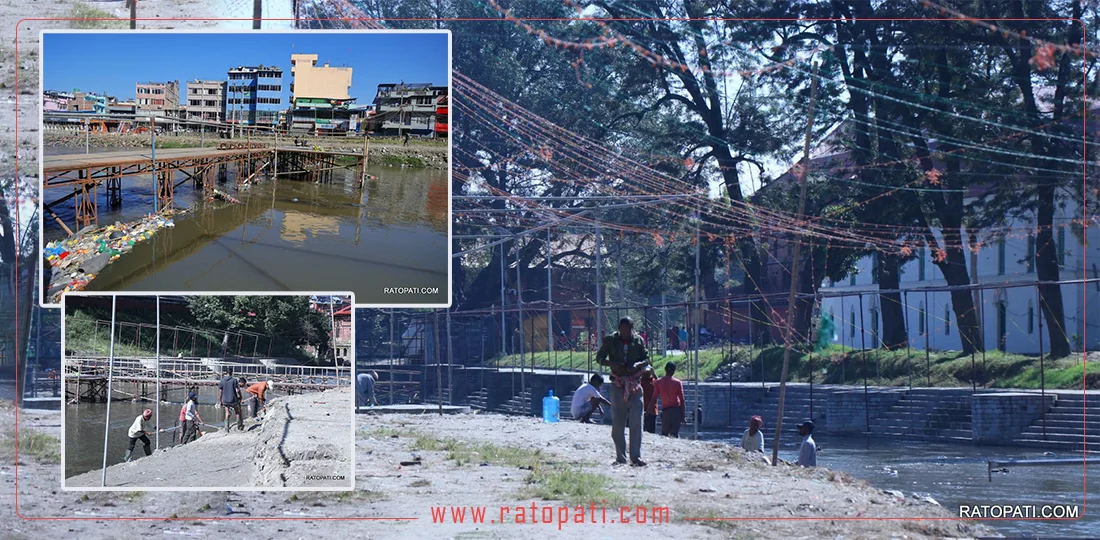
(170,57)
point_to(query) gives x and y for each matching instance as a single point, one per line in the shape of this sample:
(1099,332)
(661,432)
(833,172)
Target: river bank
(304,441)
(693,478)
(428,153)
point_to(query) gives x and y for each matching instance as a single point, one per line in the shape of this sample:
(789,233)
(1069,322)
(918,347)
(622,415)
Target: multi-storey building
(158,97)
(254,95)
(206,100)
(408,108)
(319,95)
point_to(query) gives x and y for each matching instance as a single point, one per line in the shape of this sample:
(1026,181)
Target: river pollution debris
(221,195)
(77,260)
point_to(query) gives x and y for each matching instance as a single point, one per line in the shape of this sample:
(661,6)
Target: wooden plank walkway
(70,162)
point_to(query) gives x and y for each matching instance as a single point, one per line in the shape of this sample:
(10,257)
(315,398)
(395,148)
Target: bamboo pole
(788,334)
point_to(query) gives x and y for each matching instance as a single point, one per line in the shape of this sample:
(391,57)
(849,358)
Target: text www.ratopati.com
(410,290)
(551,515)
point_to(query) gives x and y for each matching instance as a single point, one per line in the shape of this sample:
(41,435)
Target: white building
(1009,314)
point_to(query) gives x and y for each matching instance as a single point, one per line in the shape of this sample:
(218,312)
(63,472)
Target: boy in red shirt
(671,392)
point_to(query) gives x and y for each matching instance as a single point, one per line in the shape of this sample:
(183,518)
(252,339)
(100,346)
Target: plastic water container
(551,408)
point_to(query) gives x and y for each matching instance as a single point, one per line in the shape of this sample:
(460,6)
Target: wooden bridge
(85,378)
(84,173)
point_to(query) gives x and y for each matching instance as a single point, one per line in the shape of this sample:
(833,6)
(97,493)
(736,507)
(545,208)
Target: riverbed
(955,474)
(286,235)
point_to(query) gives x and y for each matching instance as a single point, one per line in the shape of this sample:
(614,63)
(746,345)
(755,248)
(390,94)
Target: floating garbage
(77,260)
(223,196)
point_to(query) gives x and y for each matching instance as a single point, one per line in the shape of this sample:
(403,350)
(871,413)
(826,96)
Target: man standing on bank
(229,397)
(626,355)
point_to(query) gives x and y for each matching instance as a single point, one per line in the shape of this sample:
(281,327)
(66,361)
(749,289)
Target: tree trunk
(1046,266)
(894,334)
(22,336)
(953,268)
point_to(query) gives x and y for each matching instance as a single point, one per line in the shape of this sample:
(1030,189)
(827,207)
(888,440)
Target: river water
(84,425)
(955,474)
(289,235)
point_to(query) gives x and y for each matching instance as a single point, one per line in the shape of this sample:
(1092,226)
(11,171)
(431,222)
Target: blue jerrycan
(551,408)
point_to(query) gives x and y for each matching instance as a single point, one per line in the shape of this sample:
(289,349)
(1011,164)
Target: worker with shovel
(138,431)
(191,419)
(257,400)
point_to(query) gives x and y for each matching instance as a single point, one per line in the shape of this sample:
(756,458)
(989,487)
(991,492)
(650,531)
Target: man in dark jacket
(625,353)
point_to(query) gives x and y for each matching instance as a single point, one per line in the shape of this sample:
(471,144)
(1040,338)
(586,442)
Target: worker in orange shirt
(258,401)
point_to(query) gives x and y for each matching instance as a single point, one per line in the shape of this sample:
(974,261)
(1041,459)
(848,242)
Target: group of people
(752,440)
(636,392)
(233,392)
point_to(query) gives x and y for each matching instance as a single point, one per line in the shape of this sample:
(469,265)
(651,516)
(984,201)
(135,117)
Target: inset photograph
(208,392)
(220,162)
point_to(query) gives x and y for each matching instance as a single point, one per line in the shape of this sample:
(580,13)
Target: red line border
(1084,294)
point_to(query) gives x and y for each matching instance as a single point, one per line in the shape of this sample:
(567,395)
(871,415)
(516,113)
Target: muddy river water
(288,235)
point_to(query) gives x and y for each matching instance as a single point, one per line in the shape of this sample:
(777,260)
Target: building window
(1062,247)
(1030,252)
(874,328)
(920,265)
(874,268)
(1001,257)
(1030,317)
(852,279)
(921,317)
(947,320)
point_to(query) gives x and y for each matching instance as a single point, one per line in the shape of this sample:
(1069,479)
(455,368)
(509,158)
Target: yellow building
(312,84)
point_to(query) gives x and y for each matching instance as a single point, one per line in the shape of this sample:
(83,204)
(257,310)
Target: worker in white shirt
(753,439)
(138,431)
(807,455)
(587,400)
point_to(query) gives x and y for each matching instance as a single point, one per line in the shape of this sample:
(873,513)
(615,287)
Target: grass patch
(84,12)
(463,453)
(385,432)
(709,361)
(347,160)
(32,444)
(571,486)
(176,143)
(843,365)
(407,161)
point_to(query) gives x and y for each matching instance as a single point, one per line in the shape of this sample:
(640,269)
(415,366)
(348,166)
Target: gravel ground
(301,437)
(693,478)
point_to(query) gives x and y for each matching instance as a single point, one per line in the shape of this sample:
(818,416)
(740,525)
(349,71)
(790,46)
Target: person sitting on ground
(258,401)
(229,397)
(626,355)
(807,455)
(753,439)
(190,419)
(139,431)
(364,389)
(649,399)
(671,392)
(587,400)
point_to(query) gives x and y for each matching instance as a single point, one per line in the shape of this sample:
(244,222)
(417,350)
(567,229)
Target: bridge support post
(87,209)
(165,189)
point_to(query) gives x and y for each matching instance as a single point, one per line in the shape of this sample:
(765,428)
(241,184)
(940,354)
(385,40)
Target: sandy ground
(302,442)
(693,479)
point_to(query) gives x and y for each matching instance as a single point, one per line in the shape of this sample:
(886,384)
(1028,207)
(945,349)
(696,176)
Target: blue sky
(115,62)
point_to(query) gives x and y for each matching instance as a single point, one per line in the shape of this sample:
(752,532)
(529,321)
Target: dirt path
(693,479)
(303,442)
